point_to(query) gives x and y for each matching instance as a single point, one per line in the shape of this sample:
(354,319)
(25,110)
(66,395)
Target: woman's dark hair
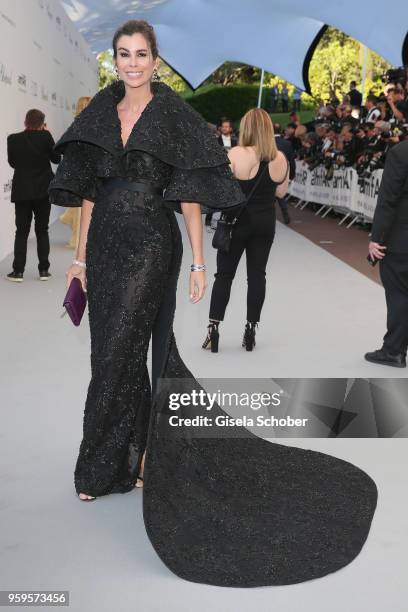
(34,119)
(136,26)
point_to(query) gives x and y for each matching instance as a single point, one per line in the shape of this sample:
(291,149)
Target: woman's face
(134,60)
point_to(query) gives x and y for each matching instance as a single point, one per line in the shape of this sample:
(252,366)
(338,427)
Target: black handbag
(225,224)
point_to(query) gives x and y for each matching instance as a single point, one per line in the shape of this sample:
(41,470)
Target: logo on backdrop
(319,177)
(370,186)
(22,82)
(342,179)
(54,98)
(5,77)
(301,176)
(34,88)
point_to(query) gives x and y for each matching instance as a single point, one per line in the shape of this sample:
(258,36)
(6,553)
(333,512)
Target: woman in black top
(263,170)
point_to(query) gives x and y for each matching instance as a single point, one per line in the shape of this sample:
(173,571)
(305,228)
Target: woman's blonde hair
(82,103)
(256,130)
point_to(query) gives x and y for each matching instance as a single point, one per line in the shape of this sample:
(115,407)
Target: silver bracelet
(198,267)
(81,264)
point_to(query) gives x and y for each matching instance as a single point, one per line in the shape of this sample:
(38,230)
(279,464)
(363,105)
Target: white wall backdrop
(45,64)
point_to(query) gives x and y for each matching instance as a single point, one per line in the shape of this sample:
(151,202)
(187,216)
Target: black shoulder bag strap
(251,193)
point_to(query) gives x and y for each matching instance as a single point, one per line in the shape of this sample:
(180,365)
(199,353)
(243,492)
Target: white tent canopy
(196,36)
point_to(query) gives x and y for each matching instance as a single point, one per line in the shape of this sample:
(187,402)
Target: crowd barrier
(345,192)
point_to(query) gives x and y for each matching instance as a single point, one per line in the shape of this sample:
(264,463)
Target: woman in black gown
(230,511)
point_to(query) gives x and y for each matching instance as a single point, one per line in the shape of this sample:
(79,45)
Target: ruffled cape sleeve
(215,188)
(75,178)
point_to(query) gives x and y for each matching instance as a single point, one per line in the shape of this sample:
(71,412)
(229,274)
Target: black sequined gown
(225,511)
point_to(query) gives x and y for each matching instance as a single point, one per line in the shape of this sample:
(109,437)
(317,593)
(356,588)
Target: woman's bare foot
(84,497)
(139,481)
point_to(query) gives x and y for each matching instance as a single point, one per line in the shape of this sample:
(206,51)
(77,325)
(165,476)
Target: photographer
(30,154)
(291,136)
(351,147)
(373,112)
(310,152)
(374,148)
(398,103)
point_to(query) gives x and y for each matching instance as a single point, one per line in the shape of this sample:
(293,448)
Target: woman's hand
(198,284)
(77,271)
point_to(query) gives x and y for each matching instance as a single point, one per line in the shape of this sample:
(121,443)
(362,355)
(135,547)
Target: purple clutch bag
(75,301)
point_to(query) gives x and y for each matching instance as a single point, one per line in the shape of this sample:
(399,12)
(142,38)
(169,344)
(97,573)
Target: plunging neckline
(135,123)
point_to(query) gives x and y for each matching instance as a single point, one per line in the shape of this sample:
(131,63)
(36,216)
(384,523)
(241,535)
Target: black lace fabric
(230,512)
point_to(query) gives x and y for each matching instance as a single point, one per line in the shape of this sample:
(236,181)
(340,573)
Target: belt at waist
(110,184)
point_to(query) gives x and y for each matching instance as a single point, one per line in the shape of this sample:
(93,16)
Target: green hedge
(214,102)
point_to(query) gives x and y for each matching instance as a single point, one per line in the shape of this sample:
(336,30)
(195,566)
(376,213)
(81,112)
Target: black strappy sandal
(212,338)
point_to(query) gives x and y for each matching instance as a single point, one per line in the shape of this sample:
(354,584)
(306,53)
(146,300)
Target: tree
(337,60)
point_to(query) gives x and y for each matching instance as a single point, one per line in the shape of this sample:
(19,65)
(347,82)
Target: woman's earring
(116,73)
(155,76)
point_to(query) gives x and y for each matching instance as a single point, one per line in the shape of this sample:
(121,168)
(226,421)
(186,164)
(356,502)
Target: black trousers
(394,277)
(24,214)
(253,234)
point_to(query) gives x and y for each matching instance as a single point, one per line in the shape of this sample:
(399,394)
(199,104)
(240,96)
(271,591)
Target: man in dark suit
(30,153)
(285,146)
(389,245)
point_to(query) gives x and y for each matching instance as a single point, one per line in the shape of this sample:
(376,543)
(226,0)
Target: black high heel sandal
(212,337)
(248,340)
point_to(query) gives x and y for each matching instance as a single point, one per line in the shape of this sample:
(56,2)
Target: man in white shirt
(227,138)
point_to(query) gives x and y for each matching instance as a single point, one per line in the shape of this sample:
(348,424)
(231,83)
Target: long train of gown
(242,511)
